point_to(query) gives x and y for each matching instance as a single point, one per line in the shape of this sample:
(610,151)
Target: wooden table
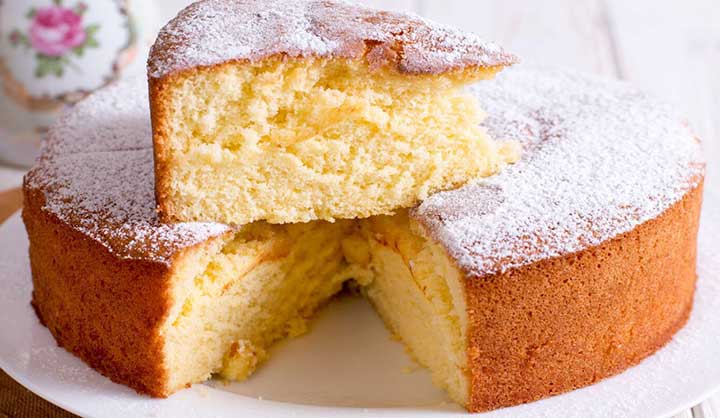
(10,201)
(669,47)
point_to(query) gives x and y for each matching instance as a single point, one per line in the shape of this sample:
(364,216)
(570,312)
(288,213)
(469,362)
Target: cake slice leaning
(296,111)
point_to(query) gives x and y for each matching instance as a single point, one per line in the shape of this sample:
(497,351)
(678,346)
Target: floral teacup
(53,53)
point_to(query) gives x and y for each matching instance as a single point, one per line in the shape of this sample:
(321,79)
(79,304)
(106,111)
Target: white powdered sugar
(97,176)
(600,158)
(216,31)
(115,119)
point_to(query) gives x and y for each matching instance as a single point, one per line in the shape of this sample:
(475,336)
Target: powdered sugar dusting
(100,180)
(600,158)
(215,31)
(111,120)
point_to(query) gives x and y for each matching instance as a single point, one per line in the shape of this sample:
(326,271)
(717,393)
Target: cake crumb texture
(299,140)
(314,110)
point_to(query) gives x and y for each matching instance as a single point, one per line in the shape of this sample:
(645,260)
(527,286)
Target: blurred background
(54,52)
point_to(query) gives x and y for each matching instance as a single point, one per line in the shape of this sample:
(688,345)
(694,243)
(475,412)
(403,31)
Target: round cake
(568,267)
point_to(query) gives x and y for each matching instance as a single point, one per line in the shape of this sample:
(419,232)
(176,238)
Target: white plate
(349,366)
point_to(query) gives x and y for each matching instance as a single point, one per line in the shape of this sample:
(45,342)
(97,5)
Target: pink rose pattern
(55,33)
(55,30)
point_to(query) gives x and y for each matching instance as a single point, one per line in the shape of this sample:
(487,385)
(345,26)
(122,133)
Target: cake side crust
(105,310)
(158,97)
(567,322)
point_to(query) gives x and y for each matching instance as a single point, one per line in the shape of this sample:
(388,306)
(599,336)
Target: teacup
(52,54)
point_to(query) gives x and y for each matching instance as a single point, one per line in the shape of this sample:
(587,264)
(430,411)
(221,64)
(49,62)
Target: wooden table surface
(10,201)
(669,47)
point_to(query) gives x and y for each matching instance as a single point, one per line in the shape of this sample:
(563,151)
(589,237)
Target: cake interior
(260,286)
(418,292)
(264,283)
(296,140)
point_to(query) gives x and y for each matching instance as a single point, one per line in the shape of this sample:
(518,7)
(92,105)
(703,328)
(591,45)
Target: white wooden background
(669,47)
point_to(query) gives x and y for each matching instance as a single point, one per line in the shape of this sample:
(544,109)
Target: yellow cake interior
(295,140)
(234,300)
(418,293)
(259,287)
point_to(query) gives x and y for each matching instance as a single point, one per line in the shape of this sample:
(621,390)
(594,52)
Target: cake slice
(296,111)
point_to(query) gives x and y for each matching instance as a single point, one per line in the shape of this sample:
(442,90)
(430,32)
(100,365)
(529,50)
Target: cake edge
(656,299)
(87,297)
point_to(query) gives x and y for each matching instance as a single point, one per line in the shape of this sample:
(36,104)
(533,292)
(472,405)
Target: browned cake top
(216,31)
(600,158)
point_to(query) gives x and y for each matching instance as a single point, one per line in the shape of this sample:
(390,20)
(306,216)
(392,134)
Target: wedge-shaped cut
(261,286)
(357,113)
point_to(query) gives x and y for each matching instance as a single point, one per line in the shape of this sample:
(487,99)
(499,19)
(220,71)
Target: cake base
(636,291)
(548,327)
(525,339)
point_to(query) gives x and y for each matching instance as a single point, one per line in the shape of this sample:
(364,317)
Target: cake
(298,111)
(567,267)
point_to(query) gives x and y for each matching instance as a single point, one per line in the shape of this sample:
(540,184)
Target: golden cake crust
(626,297)
(103,309)
(592,234)
(101,261)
